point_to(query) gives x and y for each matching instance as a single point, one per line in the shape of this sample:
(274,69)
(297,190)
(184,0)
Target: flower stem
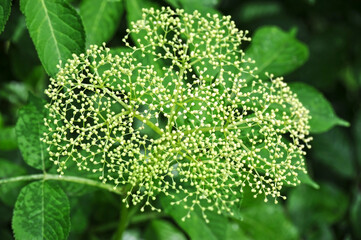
(56,177)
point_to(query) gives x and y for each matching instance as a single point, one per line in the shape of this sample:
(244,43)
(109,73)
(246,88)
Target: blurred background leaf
(311,210)
(321,111)
(10,191)
(325,54)
(101,19)
(5,8)
(334,150)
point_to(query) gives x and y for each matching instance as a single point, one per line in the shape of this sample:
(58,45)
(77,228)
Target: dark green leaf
(163,230)
(276,51)
(5,8)
(41,212)
(306,179)
(173,3)
(265,220)
(29,129)
(321,111)
(195,226)
(254,10)
(334,150)
(56,29)
(8,139)
(357,135)
(101,19)
(356,215)
(10,191)
(308,206)
(79,219)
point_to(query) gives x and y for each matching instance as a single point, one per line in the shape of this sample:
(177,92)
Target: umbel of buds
(181,113)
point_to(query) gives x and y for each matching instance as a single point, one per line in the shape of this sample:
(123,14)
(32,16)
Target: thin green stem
(229,127)
(138,116)
(125,215)
(149,124)
(55,177)
(173,112)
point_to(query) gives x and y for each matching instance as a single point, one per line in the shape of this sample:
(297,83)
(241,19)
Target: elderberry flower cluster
(181,112)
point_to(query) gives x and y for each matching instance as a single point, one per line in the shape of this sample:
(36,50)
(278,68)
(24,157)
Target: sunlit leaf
(321,111)
(266,220)
(101,19)
(276,51)
(56,29)
(5,8)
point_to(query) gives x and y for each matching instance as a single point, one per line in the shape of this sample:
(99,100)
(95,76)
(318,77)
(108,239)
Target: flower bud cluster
(201,124)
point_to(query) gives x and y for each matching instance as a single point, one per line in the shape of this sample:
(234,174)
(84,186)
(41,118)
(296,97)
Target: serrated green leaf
(267,221)
(10,191)
(321,111)
(29,129)
(41,212)
(56,30)
(5,9)
(101,19)
(276,51)
(195,226)
(163,230)
(334,150)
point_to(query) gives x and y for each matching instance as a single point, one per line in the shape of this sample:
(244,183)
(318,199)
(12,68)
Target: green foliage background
(313,43)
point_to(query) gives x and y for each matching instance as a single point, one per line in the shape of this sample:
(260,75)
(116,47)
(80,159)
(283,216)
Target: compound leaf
(56,30)
(321,111)
(41,212)
(100,19)
(29,129)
